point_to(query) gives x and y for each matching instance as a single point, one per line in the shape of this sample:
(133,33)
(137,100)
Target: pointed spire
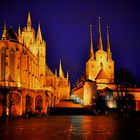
(29,23)
(55,72)
(39,34)
(67,75)
(100,44)
(109,55)
(19,31)
(91,52)
(4,34)
(61,74)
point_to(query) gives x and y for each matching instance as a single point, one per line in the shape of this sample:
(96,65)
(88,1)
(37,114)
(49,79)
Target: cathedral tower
(100,66)
(91,60)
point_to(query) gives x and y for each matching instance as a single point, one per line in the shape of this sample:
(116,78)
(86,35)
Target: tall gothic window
(12,65)
(3,63)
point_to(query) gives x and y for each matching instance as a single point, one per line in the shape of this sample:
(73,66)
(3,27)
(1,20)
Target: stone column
(33,105)
(23,104)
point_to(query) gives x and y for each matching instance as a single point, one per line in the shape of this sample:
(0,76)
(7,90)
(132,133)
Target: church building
(27,85)
(99,68)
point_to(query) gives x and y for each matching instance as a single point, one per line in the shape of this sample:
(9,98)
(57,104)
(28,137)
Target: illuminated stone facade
(84,92)
(26,82)
(99,67)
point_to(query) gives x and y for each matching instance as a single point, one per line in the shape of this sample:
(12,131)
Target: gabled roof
(101,75)
(49,72)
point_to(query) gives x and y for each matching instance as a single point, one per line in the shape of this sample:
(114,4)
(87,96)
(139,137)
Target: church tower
(100,66)
(28,33)
(41,45)
(91,60)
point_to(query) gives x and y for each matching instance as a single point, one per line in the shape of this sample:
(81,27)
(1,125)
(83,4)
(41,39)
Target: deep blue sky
(65,27)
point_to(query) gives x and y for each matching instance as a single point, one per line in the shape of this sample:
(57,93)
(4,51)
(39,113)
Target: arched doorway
(47,102)
(29,103)
(14,103)
(39,103)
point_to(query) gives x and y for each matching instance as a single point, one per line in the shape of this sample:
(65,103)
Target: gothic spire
(100,44)
(55,72)
(109,56)
(91,52)
(29,23)
(39,34)
(61,74)
(4,32)
(19,31)
(67,75)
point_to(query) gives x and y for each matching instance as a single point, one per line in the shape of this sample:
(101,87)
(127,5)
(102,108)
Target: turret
(61,74)
(91,52)
(109,55)
(100,44)
(39,35)
(4,34)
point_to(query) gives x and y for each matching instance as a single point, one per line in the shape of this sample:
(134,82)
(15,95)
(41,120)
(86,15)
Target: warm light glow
(23,66)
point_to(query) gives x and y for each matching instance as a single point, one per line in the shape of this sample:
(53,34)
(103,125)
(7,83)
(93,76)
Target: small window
(101,64)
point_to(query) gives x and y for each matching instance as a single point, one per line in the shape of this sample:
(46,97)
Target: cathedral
(27,85)
(99,70)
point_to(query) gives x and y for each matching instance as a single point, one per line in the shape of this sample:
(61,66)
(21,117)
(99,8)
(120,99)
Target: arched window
(3,63)
(12,65)
(101,64)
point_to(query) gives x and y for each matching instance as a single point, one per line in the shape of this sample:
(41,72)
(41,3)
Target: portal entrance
(39,103)
(29,102)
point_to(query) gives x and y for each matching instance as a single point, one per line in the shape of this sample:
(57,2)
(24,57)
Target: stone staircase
(67,107)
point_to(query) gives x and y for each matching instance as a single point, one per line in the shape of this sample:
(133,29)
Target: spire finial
(109,55)
(61,74)
(39,34)
(107,30)
(67,74)
(19,31)
(4,31)
(55,72)
(29,23)
(91,52)
(100,44)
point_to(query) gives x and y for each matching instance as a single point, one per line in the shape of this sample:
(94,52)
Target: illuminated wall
(100,65)
(23,67)
(86,91)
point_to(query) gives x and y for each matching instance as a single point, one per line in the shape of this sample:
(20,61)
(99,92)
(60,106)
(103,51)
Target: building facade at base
(26,82)
(99,67)
(129,97)
(88,89)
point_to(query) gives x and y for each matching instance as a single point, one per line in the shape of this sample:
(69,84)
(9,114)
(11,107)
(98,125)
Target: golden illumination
(23,68)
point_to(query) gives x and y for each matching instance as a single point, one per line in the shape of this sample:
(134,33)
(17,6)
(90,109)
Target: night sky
(65,28)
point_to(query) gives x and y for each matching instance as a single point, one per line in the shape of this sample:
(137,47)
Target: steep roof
(11,35)
(101,75)
(49,72)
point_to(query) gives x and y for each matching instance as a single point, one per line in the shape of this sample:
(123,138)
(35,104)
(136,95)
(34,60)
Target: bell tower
(90,62)
(41,51)
(100,65)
